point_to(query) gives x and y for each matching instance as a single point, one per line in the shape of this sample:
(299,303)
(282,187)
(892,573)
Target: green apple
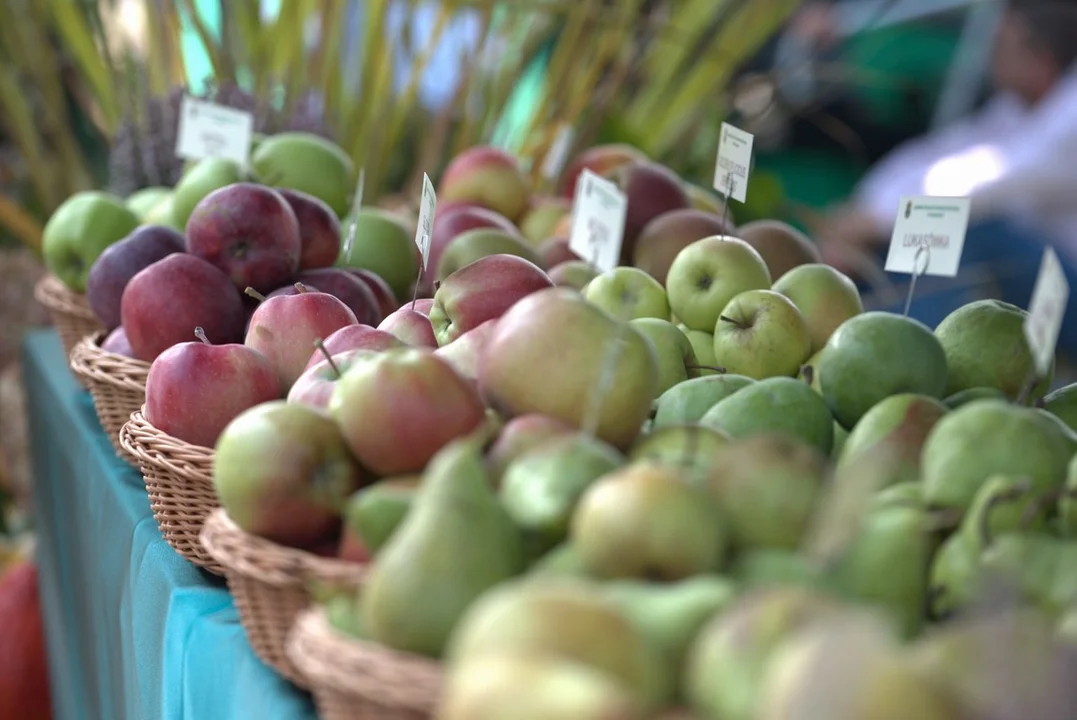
(687,402)
(707,274)
(385,245)
(825,297)
(141,202)
(309,163)
(628,293)
(201,179)
(676,359)
(79,231)
(703,345)
(761,334)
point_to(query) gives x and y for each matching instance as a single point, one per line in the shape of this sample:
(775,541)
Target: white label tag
(558,152)
(427,206)
(357,202)
(1046,310)
(207,129)
(928,236)
(598,221)
(734,162)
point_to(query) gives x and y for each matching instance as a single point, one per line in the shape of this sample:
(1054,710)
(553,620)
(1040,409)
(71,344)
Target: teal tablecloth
(134,631)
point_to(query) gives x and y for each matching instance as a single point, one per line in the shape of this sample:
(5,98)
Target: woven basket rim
(51,292)
(89,361)
(266,561)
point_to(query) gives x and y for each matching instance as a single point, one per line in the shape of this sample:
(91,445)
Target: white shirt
(1012,160)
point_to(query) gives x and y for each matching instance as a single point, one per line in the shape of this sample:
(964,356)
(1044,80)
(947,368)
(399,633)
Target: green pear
(376,511)
(703,346)
(964,397)
(728,662)
(1003,504)
(900,422)
(676,358)
(205,176)
(567,620)
(472,245)
(908,494)
(141,202)
(875,355)
(991,437)
(643,522)
(562,561)
(770,568)
(1062,403)
(308,163)
(775,405)
(343,615)
(530,687)
(985,346)
(692,448)
(541,487)
(687,402)
(385,245)
(767,488)
(454,544)
(671,615)
(954,578)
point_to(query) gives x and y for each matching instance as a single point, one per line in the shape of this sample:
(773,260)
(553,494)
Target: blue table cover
(134,631)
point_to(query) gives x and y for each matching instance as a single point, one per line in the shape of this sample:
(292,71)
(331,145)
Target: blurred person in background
(1016,159)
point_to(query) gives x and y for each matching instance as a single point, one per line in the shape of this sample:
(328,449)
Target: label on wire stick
(598,221)
(207,129)
(427,206)
(936,224)
(1046,310)
(734,163)
(357,202)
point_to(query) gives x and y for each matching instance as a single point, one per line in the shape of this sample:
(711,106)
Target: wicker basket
(117,384)
(179,481)
(71,315)
(270,584)
(354,680)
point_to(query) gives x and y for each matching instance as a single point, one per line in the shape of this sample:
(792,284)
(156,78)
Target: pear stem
(727,319)
(251,292)
(301,288)
(1015,493)
(328,358)
(201,335)
(716,368)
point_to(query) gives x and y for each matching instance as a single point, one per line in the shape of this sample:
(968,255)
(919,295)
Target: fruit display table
(133,630)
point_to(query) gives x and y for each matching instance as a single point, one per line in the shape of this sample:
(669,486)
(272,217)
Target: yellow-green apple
(650,190)
(347,288)
(601,160)
(555,250)
(318,381)
(542,216)
(553,351)
(249,232)
(761,334)
(707,274)
(664,237)
(463,352)
(488,177)
(399,407)
(285,328)
(319,229)
(707,201)
(409,326)
(79,231)
(703,346)
(575,274)
(199,180)
(782,246)
(676,359)
(825,297)
(384,244)
(452,220)
(283,472)
(519,435)
(628,293)
(116,342)
(387,301)
(482,291)
(120,261)
(163,304)
(309,163)
(194,389)
(471,245)
(353,337)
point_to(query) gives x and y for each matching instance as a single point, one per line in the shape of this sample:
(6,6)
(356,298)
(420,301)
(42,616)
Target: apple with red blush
(319,229)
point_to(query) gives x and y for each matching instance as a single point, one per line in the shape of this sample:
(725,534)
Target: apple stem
(808,373)
(301,288)
(724,318)
(251,292)
(716,368)
(201,335)
(328,358)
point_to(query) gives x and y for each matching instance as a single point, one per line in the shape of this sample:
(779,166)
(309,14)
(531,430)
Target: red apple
(354,337)
(284,329)
(116,342)
(315,386)
(555,251)
(319,229)
(463,352)
(448,223)
(410,327)
(165,302)
(482,291)
(347,288)
(488,177)
(398,408)
(250,232)
(387,301)
(194,389)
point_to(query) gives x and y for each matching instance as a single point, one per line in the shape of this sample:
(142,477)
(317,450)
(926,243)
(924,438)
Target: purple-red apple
(410,327)
(116,342)
(482,291)
(284,329)
(165,302)
(347,288)
(387,301)
(354,337)
(457,219)
(397,409)
(315,386)
(555,250)
(601,160)
(194,389)
(319,229)
(250,232)
(463,352)
(489,177)
(121,261)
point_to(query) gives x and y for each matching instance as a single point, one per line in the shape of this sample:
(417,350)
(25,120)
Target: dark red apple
(250,232)
(319,229)
(347,288)
(117,342)
(121,261)
(387,301)
(165,302)
(354,337)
